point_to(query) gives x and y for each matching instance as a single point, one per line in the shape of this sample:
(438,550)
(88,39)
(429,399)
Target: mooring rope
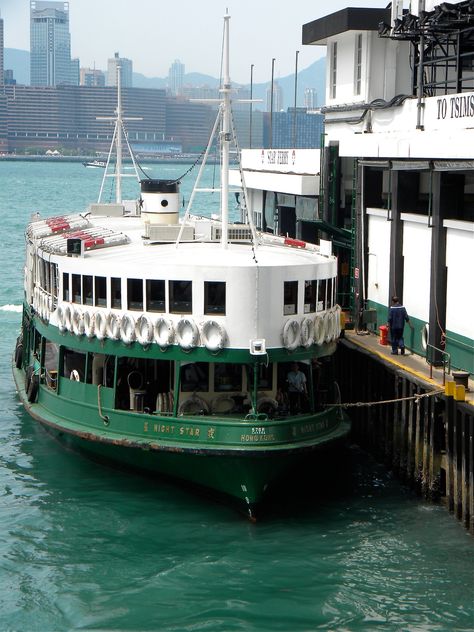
(416,398)
(104,418)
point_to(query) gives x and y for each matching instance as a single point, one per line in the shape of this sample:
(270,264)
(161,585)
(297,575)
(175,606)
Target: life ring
(318,328)
(327,326)
(223,405)
(41,304)
(60,319)
(164,332)
(127,329)
(291,334)
(31,384)
(307,332)
(144,330)
(100,324)
(113,326)
(68,318)
(89,324)
(194,405)
(78,322)
(338,328)
(213,335)
(425,336)
(135,380)
(187,333)
(162,403)
(74,376)
(35,299)
(266,405)
(18,353)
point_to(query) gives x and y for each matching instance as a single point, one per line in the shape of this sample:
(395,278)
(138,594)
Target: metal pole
(251,105)
(225,138)
(118,139)
(271,105)
(294,107)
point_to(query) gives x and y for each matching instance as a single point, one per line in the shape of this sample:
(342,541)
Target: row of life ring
(42,303)
(323,328)
(144,330)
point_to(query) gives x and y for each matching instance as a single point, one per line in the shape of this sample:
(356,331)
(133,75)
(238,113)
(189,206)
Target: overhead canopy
(350,19)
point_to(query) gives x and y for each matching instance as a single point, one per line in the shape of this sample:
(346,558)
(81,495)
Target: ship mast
(225,137)
(119,129)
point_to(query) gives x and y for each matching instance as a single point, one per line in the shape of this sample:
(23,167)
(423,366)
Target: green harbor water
(87,547)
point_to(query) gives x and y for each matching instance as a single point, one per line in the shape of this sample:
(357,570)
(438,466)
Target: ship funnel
(160,201)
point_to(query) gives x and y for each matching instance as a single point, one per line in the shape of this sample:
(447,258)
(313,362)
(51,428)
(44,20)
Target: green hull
(233,457)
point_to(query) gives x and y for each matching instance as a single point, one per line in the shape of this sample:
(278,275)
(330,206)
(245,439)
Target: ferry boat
(167,344)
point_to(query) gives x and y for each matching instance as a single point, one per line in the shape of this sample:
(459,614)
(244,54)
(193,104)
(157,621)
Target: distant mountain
(313,76)
(18,61)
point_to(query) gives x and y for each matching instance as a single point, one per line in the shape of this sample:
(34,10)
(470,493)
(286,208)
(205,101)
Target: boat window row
(318,295)
(151,295)
(46,276)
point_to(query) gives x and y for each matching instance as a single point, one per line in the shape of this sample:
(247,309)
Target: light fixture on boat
(160,201)
(258,346)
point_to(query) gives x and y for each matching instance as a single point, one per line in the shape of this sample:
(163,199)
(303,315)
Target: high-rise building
(91,77)
(310,98)
(1,51)
(176,78)
(50,43)
(277,97)
(126,71)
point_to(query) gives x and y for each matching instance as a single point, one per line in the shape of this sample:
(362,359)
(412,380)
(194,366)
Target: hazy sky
(153,33)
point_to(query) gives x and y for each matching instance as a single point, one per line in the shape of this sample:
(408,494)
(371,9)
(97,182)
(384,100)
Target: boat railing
(432,358)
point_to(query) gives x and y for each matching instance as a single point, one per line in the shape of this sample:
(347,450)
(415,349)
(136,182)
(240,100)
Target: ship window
(87,298)
(155,295)
(76,288)
(74,365)
(54,280)
(116,292)
(135,294)
(227,377)
(214,297)
(322,294)
(195,377)
(100,369)
(181,297)
(290,297)
(66,286)
(264,377)
(333,77)
(358,64)
(310,296)
(100,291)
(51,356)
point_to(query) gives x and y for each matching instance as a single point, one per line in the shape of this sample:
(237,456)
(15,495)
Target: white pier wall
(417,265)
(460,264)
(379,256)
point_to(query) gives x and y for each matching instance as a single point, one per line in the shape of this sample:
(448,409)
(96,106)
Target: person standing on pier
(397,316)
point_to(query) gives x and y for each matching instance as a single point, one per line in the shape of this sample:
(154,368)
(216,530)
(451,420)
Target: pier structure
(414,418)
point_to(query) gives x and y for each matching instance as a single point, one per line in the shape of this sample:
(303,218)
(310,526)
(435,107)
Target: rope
(104,418)
(416,397)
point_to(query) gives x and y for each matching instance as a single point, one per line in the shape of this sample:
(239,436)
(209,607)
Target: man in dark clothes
(397,315)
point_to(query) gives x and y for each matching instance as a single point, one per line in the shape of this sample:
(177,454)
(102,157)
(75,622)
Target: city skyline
(274,30)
